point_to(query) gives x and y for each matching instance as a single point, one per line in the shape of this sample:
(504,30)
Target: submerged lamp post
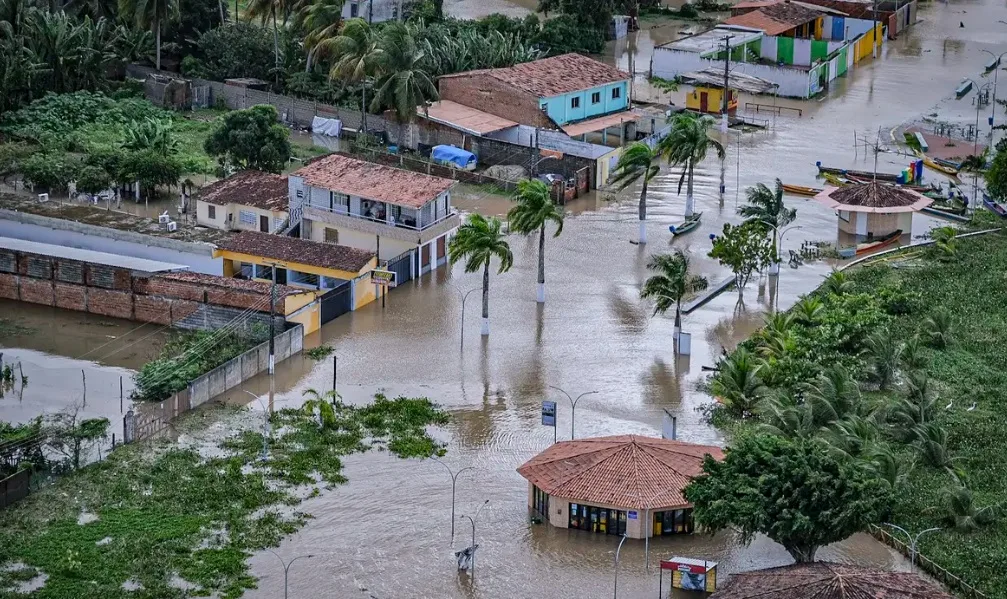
(267,431)
(996,68)
(912,542)
(573,405)
(472,520)
(615,592)
(286,567)
(454,479)
(464,297)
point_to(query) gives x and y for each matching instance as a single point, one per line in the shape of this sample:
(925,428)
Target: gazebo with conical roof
(613,485)
(875,209)
(825,580)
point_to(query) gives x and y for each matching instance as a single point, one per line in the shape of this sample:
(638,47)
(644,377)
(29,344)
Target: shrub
(92,179)
(563,34)
(688,11)
(937,328)
(234,50)
(48,171)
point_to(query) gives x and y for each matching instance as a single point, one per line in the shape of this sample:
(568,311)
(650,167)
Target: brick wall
(485,93)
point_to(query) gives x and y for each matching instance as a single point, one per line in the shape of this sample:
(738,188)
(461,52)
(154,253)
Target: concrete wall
(234,223)
(43,229)
(390,248)
(485,93)
(247,365)
(219,220)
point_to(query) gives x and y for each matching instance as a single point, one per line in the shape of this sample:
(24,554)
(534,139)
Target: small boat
(935,212)
(948,163)
(870,246)
(859,174)
(690,223)
(940,168)
(834,180)
(994,206)
(801,190)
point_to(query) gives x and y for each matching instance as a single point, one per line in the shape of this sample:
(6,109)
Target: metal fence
(926,564)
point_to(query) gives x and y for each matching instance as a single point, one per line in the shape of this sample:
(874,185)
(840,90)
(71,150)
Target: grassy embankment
(176,522)
(935,429)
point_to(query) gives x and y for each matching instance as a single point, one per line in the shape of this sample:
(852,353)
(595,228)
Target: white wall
(390,248)
(203,215)
(382,10)
(668,63)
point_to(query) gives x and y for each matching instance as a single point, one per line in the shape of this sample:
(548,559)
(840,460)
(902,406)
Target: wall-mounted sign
(549,413)
(632,514)
(386,278)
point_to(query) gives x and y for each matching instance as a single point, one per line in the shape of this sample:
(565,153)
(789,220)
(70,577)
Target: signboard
(691,574)
(549,413)
(632,514)
(386,278)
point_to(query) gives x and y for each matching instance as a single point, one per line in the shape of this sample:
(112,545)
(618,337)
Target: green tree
(403,82)
(996,174)
(150,134)
(92,179)
(150,169)
(321,22)
(268,9)
(793,491)
(234,50)
(686,145)
(355,58)
(737,385)
(251,139)
(636,163)
(564,33)
(671,283)
(73,437)
(766,206)
(962,513)
(535,208)
(744,249)
(477,242)
(150,14)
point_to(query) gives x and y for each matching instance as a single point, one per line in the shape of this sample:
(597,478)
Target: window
(596,97)
(338,202)
(673,522)
(597,519)
(331,235)
(540,502)
(395,13)
(354,10)
(616,93)
(211,212)
(247,217)
(575,102)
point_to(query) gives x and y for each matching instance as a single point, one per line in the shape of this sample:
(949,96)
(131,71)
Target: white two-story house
(402,216)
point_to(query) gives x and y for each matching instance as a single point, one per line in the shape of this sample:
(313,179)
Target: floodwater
(387,532)
(73,360)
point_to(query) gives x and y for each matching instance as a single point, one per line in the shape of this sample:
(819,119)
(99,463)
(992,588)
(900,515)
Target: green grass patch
(164,511)
(319,353)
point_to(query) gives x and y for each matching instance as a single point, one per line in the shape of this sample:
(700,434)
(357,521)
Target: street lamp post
(454,479)
(464,297)
(912,542)
(472,520)
(286,567)
(615,593)
(573,406)
(267,431)
(779,244)
(996,68)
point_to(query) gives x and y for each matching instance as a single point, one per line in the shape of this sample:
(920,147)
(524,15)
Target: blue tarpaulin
(458,157)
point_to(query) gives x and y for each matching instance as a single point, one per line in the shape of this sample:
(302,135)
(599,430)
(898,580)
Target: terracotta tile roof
(249,188)
(231,283)
(302,251)
(624,471)
(824,580)
(555,75)
(373,181)
(776,18)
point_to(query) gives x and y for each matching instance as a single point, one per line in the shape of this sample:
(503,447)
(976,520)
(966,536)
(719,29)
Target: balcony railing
(399,224)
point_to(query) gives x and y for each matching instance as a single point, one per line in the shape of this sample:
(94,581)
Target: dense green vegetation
(899,372)
(189,355)
(163,512)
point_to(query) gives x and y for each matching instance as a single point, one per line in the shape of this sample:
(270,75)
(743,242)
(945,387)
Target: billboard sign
(549,413)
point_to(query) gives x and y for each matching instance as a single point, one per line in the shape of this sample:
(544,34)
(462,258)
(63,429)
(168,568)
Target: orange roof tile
(776,18)
(248,188)
(555,75)
(373,181)
(626,471)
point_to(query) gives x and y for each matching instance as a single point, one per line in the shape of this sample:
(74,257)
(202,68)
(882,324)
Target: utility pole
(272,323)
(727,90)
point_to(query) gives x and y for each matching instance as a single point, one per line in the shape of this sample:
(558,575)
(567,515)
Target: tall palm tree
(403,81)
(686,145)
(150,13)
(766,206)
(671,283)
(266,9)
(535,208)
(355,56)
(738,385)
(320,20)
(637,164)
(477,242)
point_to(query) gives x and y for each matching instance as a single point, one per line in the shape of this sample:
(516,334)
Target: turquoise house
(587,103)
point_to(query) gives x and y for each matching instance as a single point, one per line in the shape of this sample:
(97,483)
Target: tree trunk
(363,109)
(157,26)
(690,202)
(235,12)
(307,66)
(803,554)
(643,212)
(276,46)
(220,4)
(739,282)
(541,265)
(486,299)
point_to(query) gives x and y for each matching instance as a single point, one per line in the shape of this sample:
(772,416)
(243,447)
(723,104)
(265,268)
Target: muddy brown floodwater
(386,534)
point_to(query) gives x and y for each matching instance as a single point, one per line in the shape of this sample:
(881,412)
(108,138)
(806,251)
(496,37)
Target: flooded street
(387,532)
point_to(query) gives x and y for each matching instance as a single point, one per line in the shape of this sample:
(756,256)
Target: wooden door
(703,101)
(264,224)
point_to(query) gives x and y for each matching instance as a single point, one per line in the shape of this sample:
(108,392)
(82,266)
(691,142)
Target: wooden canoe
(870,246)
(940,168)
(691,223)
(801,190)
(859,174)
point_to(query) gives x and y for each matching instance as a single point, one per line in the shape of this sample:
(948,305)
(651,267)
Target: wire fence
(927,565)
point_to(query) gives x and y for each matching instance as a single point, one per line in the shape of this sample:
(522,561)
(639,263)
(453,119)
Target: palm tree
(324,404)
(780,415)
(962,513)
(355,56)
(637,164)
(932,445)
(837,283)
(737,385)
(535,207)
(833,395)
(889,466)
(884,357)
(152,13)
(671,283)
(686,145)
(265,9)
(320,20)
(938,328)
(766,206)
(809,311)
(478,241)
(403,81)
